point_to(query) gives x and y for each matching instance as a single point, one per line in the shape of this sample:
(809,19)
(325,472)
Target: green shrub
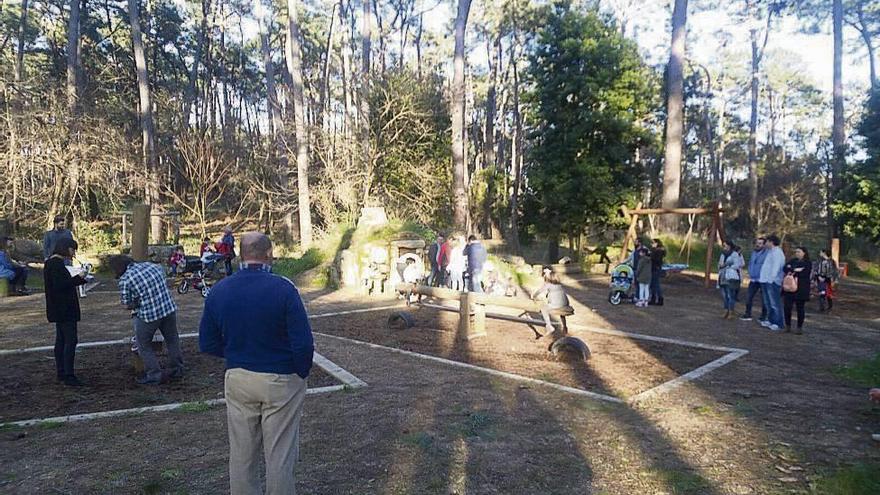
(98,238)
(293,267)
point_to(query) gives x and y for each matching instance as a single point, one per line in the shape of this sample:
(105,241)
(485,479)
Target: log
(140,231)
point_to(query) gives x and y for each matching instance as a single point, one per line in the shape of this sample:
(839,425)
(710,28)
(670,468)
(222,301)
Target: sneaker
(745,318)
(774,327)
(146,381)
(875,437)
(765,323)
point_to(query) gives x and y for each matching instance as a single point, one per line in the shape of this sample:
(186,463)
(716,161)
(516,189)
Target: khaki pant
(263,410)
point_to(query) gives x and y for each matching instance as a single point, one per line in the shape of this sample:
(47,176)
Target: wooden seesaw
(472,316)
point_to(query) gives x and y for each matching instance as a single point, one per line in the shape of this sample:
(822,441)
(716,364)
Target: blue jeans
(730,295)
(476,281)
(773,301)
(656,290)
(754,288)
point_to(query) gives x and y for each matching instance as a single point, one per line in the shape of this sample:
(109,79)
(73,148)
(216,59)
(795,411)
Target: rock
(26,250)
(349,269)
(372,216)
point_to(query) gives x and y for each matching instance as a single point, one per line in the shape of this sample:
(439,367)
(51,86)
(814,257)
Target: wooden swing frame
(715,235)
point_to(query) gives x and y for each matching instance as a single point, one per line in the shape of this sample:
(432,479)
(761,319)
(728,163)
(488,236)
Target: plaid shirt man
(143,286)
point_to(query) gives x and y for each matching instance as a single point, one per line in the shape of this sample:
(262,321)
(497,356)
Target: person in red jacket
(443,257)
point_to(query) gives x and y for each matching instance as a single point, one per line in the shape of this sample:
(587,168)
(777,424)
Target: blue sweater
(755,264)
(257,321)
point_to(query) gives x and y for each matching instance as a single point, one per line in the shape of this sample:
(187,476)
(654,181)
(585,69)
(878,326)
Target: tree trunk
(753,131)
(145,111)
(460,193)
(277,124)
(294,65)
(364,96)
(72,57)
(72,90)
(865,31)
(838,135)
(489,161)
(516,150)
(324,110)
(190,95)
(674,113)
(347,69)
(19,53)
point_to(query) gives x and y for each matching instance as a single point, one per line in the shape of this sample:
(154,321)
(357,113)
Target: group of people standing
(785,286)
(647,263)
(457,264)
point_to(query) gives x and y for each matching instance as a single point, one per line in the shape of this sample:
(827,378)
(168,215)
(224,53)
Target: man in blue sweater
(476,258)
(257,321)
(755,264)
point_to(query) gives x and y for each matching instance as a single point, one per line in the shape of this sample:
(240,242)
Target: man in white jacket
(771,284)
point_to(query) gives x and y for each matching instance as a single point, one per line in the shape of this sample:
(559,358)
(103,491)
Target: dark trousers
(145,331)
(788,302)
(825,297)
(656,290)
(65,347)
(227,261)
(754,288)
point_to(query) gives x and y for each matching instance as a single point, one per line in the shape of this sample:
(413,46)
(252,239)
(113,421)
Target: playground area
(672,400)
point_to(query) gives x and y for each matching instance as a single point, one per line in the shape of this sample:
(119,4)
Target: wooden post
(464,316)
(835,250)
(124,231)
(140,231)
(631,233)
(479,325)
(710,244)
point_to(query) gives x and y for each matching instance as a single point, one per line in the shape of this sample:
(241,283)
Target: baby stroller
(622,278)
(193,275)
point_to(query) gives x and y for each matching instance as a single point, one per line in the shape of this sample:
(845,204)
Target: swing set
(714,235)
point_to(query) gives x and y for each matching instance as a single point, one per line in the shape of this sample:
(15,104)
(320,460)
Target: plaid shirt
(143,286)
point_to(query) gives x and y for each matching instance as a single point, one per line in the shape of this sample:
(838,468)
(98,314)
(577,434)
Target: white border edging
(504,374)
(139,410)
(23,350)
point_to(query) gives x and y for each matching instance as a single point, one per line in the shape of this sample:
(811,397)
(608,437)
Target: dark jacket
(643,272)
(657,255)
(433,250)
(257,321)
(803,278)
(62,301)
(476,257)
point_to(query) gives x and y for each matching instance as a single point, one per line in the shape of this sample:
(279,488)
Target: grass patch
(865,372)
(49,425)
(863,270)
(152,488)
(171,474)
(476,424)
(194,407)
(292,267)
(418,439)
(682,482)
(861,479)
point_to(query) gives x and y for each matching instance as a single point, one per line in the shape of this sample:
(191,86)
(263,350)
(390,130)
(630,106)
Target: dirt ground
(770,422)
(29,389)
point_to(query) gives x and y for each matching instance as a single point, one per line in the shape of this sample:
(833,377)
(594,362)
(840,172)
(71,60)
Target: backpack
(789,282)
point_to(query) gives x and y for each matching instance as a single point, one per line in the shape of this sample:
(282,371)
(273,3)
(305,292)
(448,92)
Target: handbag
(789,283)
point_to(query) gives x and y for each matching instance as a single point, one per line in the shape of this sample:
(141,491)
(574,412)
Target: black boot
(660,302)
